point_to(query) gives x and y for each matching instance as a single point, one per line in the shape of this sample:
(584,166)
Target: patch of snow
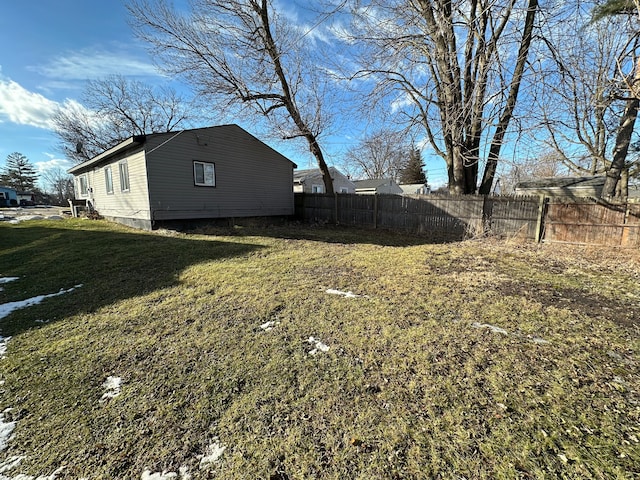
(6,429)
(112,387)
(7,308)
(539,341)
(24,218)
(3,346)
(348,294)
(10,463)
(183,474)
(213,454)
(147,475)
(319,346)
(269,325)
(493,328)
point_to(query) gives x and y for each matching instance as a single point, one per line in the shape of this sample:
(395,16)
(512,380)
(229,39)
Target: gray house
(377,186)
(310,181)
(415,189)
(562,186)
(213,172)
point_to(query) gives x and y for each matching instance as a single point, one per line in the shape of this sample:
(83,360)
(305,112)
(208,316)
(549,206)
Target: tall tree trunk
(505,118)
(623,140)
(288,99)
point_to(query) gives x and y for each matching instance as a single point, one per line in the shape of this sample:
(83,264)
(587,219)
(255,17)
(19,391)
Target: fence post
(335,197)
(375,210)
(540,223)
(487,214)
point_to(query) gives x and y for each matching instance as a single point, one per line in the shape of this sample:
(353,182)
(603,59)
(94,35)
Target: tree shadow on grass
(110,262)
(326,233)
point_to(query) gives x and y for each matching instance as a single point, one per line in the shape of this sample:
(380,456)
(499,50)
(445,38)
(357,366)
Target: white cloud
(91,64)
(52,164)
(19,105)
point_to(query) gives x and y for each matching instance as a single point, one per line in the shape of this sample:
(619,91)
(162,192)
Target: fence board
(446,218)
(593,221)
(440,217)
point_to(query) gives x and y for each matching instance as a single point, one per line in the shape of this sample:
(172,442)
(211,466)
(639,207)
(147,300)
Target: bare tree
(453,67)
(546,165)
(114,109)
(577,106)
(59,184)
(242,53)
(382,154)
(631,81)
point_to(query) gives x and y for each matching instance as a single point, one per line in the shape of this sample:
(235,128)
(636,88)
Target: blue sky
(52,47)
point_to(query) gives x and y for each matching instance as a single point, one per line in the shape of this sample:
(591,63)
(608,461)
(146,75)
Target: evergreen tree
(413,171)
(19,173)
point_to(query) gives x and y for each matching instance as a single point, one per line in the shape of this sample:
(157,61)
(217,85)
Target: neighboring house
(26,199)
(415,189)
(213,172)
(562,186)
(310,181)
(8,197)
(377,186)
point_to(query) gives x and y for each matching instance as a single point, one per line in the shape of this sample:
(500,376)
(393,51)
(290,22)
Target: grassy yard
(480,359)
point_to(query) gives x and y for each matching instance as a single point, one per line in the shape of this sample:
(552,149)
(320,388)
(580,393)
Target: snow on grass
(3,346)
(7,308)
(318,346)
(6,429)
(270,325)
(25,218)
(183,474)
(348,294)
(214,453)
(494,329)
(9,464)
(112,386)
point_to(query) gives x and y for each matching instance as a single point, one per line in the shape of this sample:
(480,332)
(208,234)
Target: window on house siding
(108,179)
(204,174)
(317,189)
(124,176)
(83,183)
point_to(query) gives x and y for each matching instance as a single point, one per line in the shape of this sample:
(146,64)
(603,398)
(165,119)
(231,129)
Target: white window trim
(316,188)
(208,173)
(84,177)
(108,179)
(128,182)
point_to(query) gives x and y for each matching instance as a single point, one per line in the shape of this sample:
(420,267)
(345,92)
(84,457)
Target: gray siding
(132,204)
(251,178)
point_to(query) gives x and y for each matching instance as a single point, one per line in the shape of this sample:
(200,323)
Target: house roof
(138,140)
(124,145)
(372,183)
(299,176)
(562,182)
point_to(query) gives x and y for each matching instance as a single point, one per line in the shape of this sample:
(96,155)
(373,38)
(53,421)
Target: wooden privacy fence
(447,218)
(593,221)
(442,218)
